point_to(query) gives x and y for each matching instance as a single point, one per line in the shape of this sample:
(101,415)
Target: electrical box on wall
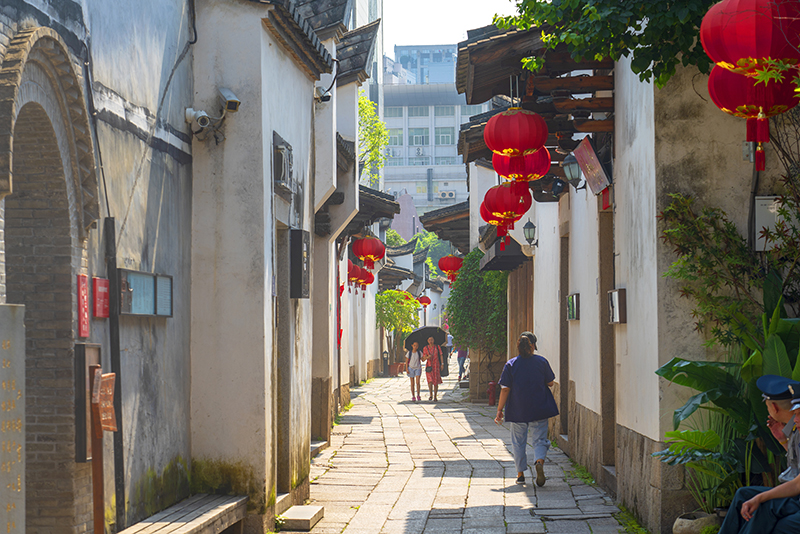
(299,263)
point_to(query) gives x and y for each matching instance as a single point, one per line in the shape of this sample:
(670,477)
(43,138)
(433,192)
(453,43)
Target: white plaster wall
(636,268)
(546,283)
(325,138)
(481,180)
(584,349)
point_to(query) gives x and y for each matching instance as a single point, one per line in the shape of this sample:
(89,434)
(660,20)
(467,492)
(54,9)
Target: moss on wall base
(230,478)
(155,492)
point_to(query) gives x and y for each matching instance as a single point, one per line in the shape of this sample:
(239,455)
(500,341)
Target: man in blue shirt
(528,402)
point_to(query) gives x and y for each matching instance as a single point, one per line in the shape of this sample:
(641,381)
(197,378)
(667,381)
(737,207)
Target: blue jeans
(776,516)
(519,441)
(461,362)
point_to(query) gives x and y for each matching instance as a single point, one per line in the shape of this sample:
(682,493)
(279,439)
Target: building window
(422,187)
(424,160)
(392,111)
(448,160)
(469,111)
(394,162)
(444,111)
(437,56)
(395,137)
(445,136)
(417,137)
(418,111)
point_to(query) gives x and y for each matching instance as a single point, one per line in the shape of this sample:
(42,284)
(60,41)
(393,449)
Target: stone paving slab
(401,467)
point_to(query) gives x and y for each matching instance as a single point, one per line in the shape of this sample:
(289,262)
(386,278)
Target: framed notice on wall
(145,293)
(86,355)
(617,308)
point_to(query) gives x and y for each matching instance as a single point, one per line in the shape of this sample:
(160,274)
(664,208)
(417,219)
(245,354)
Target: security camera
(198,117)
(228,100)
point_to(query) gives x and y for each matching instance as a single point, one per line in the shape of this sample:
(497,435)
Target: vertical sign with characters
(12,419)
(83,305)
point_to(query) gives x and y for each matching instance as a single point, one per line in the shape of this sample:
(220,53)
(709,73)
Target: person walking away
(525,394)
(761,510)
(432,355)
(414,368)
(462,360)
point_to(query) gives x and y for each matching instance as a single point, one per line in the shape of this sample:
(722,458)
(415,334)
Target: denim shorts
(414,372)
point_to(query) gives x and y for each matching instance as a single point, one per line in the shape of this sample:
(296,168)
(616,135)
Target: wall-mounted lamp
(573,171)
(529,231)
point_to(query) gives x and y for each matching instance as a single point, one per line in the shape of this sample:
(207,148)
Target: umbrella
(421,335)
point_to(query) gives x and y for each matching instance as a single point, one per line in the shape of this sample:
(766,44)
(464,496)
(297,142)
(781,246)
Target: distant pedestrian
(448,350)
(462,361)
(432,355)
(414,367)
(525,383)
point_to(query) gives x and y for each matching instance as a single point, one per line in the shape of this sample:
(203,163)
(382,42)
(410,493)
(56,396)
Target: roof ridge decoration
(297,37)
(328,18)
(354,53)
(402,250)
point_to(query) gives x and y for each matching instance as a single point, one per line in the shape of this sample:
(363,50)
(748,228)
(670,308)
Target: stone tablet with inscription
(12,419)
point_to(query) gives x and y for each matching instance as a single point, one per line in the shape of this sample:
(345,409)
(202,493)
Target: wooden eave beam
(573,84)
(569,105)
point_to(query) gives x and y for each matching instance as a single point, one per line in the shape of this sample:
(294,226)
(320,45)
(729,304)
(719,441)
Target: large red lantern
(365,278)
(515,132)
(743,35)
(450,265)
(531,166)
(501,224)
(425,301)
(369,250)
(742,97)
(507,202)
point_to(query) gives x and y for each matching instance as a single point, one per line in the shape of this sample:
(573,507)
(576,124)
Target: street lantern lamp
(573,171)
(529,231)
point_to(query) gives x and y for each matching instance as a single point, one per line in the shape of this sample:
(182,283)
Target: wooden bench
(199,514)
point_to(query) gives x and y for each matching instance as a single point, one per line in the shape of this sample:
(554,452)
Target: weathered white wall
(546,296)
(325,138)
(481,180)
(584,349)
(636,269)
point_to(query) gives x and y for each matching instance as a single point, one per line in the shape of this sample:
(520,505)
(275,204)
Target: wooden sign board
(591,167)
(103,400)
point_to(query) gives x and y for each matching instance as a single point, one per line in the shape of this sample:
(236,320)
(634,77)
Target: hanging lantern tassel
(761,160)
(762,128)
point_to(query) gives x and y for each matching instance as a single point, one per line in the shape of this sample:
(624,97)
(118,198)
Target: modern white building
(422,156)
(431,64)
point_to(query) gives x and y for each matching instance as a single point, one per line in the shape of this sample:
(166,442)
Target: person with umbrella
(414,366)
(432,356)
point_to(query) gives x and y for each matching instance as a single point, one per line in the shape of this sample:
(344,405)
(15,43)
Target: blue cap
(776,387)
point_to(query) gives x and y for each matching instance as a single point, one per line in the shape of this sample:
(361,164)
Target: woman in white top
(414,366)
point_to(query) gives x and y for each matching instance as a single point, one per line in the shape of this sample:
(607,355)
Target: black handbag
(428,368)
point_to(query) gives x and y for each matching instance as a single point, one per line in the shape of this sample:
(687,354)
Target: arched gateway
(47,176)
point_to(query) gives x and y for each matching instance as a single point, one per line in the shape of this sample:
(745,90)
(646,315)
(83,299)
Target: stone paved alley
(397,466)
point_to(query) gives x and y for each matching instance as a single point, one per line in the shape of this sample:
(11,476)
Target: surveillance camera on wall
(228,100)
(198,117)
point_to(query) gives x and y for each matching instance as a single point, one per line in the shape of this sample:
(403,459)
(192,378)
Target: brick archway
(49,191)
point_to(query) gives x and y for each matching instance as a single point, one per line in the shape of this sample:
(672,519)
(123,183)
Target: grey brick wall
(39,274)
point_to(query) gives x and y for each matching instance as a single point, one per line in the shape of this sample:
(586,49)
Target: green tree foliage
(393,239)
(372,140)
(437,249)
(396,315)
(658,35)
(477,308)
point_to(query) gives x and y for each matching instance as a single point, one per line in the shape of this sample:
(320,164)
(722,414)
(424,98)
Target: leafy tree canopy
(372,139)
(394,313)
(477,307)
(437,249)
(658,34)
(393,239)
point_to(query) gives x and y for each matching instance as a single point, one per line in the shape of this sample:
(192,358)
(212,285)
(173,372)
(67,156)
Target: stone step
(283,501)
(302,517)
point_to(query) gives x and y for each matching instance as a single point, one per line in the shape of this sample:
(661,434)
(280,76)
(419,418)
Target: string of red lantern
(450,265)
(369,249)
(515,132)
(424,300)
(522,169)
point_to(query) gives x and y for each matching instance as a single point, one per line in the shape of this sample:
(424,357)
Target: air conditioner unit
(397,153)
(388,152)
(420,151)
(447,195)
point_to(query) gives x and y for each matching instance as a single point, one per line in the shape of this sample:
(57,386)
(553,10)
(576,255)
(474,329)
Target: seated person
(761,510)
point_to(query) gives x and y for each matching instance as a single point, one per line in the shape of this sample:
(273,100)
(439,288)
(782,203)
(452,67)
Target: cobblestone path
(397,466)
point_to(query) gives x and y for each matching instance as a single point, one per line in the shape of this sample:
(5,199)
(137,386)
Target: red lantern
(352,274)
(425,301)
(515,132)
(369,250)
(531,166)
(742,35)
(742,97)
(507,202)
(450,265)
(365,278)
(501,224)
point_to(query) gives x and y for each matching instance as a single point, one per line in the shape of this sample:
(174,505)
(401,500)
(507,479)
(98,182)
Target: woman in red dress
(431,355)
